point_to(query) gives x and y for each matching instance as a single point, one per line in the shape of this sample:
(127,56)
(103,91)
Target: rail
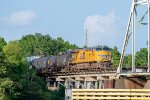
(110,94)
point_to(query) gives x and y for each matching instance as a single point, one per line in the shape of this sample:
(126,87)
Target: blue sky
(105,20)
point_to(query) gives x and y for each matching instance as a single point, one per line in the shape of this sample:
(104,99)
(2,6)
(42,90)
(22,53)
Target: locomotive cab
(98,54)
(103,53)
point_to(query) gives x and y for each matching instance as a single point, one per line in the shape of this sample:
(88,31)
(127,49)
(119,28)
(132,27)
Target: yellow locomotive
(98,54)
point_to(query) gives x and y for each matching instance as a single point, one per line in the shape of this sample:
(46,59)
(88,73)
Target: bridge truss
(88,77)
(131,30)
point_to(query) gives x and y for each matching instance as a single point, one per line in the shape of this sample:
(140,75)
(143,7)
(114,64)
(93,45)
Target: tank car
(63,60)
(40,62)
(51,62)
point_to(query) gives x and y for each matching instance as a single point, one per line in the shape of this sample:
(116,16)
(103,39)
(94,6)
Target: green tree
(59,45)
(43,45)
(5,82)
(2,43)
(37,44)
(141,57)
(127,60)
(17,80)
(13,51)
(25,83)
(115,56)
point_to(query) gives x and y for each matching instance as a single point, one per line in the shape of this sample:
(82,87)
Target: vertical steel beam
(148,36)
(77,83)
(119,69)
(133,41)
(84,85)
(88,84)
(96,85)
(100,84)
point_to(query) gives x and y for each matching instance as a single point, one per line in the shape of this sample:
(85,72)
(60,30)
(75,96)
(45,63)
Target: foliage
(127,60)
(141,57)
(115,56)
(17,80)
(26,83)
(60,45)
(2,43)
(36,45)
(13,51)
(43,45)
(5,82)
(59,94)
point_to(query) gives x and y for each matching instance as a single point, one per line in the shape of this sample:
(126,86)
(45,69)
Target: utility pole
(86,39)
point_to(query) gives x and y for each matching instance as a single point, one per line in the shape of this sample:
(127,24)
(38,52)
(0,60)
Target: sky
(105,20)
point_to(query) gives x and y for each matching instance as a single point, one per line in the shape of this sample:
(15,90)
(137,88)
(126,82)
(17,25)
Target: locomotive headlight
(109,57)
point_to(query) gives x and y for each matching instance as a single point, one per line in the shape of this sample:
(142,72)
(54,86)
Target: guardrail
(110,94)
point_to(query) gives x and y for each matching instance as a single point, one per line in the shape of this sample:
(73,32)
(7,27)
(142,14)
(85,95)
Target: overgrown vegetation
(17,80)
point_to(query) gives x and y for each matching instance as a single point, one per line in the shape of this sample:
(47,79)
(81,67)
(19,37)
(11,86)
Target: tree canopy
(115,56)
(140,58)
(13,51)
(5,81)
(2,43)
(39,44)
(17,80)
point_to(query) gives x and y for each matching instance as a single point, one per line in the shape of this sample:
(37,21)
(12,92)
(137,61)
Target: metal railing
(110,94)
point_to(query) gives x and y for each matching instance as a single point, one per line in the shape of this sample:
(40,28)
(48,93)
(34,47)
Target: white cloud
(20,18)
(101,29)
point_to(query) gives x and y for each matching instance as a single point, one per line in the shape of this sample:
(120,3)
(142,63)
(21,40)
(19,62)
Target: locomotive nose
(104,57)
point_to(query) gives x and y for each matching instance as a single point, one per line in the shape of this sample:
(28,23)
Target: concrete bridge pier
(96,84)
(99,84)
(88,84)
(77,84)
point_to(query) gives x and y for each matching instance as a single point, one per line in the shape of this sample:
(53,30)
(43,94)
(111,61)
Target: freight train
(79,59)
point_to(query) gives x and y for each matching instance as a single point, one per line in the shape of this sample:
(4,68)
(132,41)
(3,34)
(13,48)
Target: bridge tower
(131,27)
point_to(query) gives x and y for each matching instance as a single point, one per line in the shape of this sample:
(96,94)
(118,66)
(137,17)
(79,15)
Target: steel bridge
(133,24)
(65,76)
(103,78)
